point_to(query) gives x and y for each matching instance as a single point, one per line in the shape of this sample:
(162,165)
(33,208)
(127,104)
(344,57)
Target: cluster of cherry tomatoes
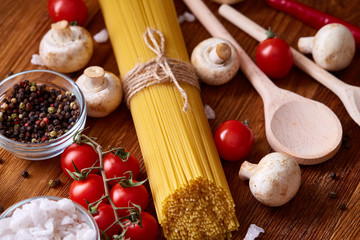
(91,188)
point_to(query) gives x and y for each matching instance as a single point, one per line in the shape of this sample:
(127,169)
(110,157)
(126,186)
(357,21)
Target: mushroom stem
(220,54)
(305,44)
(61,31)
(95,80)
(247,170)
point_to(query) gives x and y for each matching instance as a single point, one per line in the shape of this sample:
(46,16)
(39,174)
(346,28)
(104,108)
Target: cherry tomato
(149,231)
(274,57)
(233,140)
(91,189)
(70,10)
(115,166)
(104,217)
(123,197)
(83,155)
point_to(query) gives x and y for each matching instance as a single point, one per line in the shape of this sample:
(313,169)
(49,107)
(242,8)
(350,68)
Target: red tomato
(274,57)
(91,189)
(104,218)
(123,197)
(149,231)
(83,155)
(70,10)
(233,140)
(115,166)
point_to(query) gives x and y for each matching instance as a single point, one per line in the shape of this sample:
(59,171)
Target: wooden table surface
(311,214)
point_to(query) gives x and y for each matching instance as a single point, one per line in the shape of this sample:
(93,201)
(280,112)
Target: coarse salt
(36,60)
(210,113)
(253,232)
(44,219)
(186,16)
(102,36)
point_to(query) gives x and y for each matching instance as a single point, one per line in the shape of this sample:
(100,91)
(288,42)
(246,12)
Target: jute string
(159,70)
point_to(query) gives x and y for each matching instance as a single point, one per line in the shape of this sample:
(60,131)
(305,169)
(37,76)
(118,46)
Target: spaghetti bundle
(189,188)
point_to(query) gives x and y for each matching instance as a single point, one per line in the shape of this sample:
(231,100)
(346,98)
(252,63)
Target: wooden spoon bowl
(300,129)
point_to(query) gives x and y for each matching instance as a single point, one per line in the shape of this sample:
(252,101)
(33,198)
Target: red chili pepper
(311,16)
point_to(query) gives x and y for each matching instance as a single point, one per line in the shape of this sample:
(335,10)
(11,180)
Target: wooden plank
(312,214)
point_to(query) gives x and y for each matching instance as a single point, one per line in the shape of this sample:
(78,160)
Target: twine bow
(161,69)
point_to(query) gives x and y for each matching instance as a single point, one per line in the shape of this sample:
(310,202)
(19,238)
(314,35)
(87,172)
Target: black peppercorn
(333,176)
(342,207)
(332,194)
(25,174)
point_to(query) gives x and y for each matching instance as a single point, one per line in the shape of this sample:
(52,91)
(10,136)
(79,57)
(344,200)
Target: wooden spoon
(302,128)
(348,94)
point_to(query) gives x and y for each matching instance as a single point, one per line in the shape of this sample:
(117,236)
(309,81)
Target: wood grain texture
(312,214)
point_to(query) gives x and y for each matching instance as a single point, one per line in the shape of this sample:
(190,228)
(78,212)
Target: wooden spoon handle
(302,62)
(258,79)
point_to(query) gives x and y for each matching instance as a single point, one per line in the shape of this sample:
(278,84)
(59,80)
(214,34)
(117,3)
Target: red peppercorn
(41,99)
(37,122)
(22,84)
(46,120)
(43,139)
(26,124)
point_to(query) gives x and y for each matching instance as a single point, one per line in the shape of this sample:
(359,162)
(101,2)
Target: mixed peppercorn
(31,113)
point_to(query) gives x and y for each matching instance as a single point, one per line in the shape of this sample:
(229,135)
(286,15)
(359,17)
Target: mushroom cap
(333,47)
(276,180)
(100,102)
(210,72)
(66,56)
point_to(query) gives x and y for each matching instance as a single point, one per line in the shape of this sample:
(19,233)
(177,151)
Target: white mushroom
(215,60)
(102,91)
(275,180)
(332,48)
(66,48)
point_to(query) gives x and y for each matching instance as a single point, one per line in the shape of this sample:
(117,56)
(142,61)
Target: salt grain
(186,16)
(44,219)
(253,232)
(210,113)
(36,60)
(189,17)
(102,36)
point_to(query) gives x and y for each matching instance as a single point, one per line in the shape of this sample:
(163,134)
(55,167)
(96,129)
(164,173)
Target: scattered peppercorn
(333,176)
(342,207)
(332,194)
(346,141)
(1,209)
(31,112)
(25,174)
(54,183)
(1,161)
(10,73)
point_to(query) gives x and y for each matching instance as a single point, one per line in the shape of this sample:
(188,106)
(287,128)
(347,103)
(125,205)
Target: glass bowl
(48,149)
(89,220)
